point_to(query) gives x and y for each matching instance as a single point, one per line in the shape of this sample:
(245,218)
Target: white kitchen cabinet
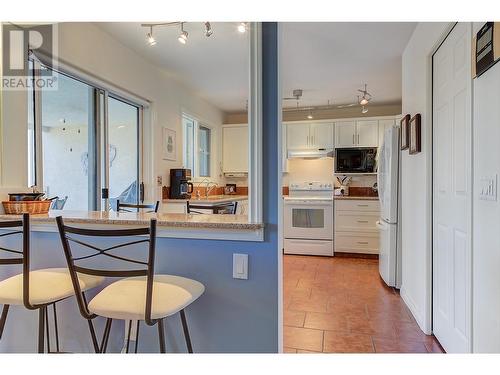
(306,136)
(235,149)
(383,125)
(367,133)
(355,226)
(298,136)
(362,133)
(321,135)
(345,134)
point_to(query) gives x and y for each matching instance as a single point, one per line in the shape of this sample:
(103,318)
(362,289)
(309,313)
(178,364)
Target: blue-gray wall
(233,315)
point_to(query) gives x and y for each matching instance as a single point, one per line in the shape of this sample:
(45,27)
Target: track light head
(150,39)
(242,27)
(183,36)
(208,29)
(364,110)
(363,101)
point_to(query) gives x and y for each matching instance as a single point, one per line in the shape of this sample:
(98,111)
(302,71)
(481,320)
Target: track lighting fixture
(310,115)
(208,29)
(183,36)
(150,38)
(242,27)
(364,110)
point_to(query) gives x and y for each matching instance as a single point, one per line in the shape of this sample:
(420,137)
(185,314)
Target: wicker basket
(30,207)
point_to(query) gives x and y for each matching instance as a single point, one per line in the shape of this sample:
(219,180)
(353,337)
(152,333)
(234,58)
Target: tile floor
(340,305)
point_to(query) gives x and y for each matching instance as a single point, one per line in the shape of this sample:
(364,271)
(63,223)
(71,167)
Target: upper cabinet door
(298,136)
(383,125)
(367,133)
(345,134)
(321,135)
(235,149)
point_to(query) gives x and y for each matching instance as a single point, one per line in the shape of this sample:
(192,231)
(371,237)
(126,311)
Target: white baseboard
(415,311)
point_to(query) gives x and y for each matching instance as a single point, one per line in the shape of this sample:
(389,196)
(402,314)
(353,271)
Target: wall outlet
(159,180)
(240,266)
(488,188)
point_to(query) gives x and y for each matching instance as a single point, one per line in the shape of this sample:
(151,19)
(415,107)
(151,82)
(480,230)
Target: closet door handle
(362,221)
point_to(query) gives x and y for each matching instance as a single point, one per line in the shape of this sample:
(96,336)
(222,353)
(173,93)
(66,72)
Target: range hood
(311,153)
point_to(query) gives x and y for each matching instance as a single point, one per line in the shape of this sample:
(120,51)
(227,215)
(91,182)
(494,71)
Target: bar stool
(139,295)
(39,289)
(128,207)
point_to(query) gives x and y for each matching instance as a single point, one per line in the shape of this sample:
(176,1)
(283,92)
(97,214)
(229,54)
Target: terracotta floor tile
(374,328)
(434,347)
(341,305)
(398,346)
(326,321)
(289,350)
(303,338)
(336,342)
(293,318)
(300,351)
(308,304)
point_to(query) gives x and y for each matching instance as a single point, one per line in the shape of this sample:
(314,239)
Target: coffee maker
(180,185)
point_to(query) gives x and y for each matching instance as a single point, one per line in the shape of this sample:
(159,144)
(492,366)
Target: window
(88,141)
(197,147)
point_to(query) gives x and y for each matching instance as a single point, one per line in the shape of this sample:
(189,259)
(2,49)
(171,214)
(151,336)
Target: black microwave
(355,160)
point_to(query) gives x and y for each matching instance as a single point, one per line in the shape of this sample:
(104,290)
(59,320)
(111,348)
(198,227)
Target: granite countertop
(356,197)
(212,199)
(237,222)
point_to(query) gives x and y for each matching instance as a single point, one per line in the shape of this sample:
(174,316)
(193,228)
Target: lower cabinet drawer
(308,247)
(354,221)
(356,243)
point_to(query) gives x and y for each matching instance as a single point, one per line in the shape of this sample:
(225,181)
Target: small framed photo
(415,134)
(405,139)
(169,146)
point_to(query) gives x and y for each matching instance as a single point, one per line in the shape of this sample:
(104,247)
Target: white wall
(416,173)
(91,50)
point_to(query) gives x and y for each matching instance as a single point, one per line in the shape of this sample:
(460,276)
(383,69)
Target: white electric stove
(308,219)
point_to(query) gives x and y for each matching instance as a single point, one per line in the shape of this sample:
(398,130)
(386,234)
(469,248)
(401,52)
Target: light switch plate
(240,266)
(488,188)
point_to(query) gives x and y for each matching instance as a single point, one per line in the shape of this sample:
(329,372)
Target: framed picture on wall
(405,123)
(415,134)
(169,146)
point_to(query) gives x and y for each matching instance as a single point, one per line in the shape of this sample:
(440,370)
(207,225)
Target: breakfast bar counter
(203,226)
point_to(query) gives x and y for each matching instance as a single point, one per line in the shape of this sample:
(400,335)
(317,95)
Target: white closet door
(452,191)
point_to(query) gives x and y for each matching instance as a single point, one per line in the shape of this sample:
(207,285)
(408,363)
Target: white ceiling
(329,61)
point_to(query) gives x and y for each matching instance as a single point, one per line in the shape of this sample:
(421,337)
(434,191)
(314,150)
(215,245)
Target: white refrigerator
(388,191)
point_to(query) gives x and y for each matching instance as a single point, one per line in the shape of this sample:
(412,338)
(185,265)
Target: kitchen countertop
(212,199)
(355,197)
(236,222)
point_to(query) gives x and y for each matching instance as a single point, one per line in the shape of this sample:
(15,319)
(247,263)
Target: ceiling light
(183,37)
(242,27)
(150,38)
(363,101)
(310,115)
(364,110)
(208,29)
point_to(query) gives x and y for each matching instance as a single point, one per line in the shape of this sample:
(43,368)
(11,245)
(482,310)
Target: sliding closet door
(452,191)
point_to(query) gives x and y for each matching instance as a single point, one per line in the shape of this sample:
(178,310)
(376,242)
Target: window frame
(197,124)
(101,91)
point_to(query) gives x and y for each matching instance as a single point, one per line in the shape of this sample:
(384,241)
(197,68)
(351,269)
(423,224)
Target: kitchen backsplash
(320,170)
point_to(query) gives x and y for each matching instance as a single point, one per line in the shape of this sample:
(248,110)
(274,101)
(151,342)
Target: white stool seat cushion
(126,299)
(46,286)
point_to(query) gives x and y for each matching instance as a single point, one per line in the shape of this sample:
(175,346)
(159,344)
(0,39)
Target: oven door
(308,219)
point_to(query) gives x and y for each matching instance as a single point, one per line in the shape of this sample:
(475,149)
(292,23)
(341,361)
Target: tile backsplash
(320,170)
